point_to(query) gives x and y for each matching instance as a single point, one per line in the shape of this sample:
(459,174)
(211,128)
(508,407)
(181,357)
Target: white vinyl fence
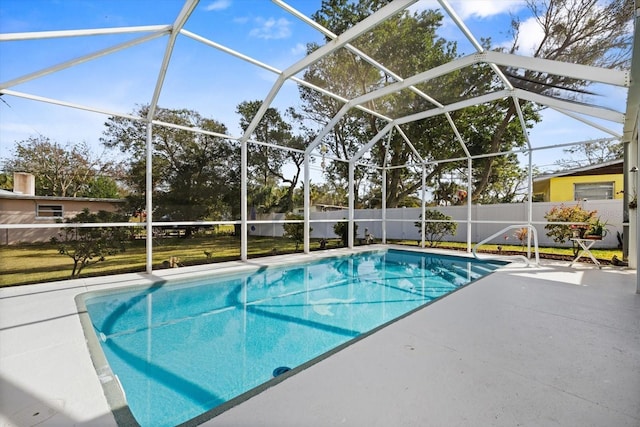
(486,220)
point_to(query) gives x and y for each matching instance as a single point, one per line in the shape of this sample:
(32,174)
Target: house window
(538,197)
(593,191)
(49,211)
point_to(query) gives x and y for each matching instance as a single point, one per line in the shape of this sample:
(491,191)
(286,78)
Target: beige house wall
(23,210)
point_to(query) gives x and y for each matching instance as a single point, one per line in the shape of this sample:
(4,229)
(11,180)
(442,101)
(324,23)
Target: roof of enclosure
(166,39)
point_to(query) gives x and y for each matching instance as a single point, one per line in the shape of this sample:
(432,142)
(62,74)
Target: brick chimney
(24,183)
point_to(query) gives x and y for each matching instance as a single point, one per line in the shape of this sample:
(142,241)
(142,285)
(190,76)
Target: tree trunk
(75,267)
(495,145)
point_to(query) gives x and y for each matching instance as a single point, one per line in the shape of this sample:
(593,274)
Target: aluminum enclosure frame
(575,111)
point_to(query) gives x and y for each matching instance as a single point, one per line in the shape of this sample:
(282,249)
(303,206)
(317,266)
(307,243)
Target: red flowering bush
(576,215)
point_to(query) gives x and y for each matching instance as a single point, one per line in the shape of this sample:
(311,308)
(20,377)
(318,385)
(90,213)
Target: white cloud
(270,29)
(485,17)
(485,8)
(218,5)
(241,20)
(9,127)
(473,8)
(299,49)
(530,36)
(424,5)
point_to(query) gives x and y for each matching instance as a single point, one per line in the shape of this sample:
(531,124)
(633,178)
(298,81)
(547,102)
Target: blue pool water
(182,349)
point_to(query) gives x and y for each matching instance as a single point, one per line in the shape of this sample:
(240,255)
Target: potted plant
(597,229)
(577,231)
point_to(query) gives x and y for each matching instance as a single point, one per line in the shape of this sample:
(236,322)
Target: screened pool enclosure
(399,107)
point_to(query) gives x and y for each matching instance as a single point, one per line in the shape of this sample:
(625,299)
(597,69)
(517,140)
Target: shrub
(88,246)
(435,231)
(342,229)
(522,234)
(295,230)
(561,233)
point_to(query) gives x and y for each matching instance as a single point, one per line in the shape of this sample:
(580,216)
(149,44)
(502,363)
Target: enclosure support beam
(363,26)
(423,205)
(306,204)
(244,235)
(615,134)
(149,199)
(357,52)
(633,176)
(371,143)
(384,188)
(469,197)
(384,201)
(408,142)
(275,71)
(184,14)
(352,33)
(529,202)
(482,99)
(465,30)
(523,125)
(566,69)
(352,190)
(80,60)
(636,140)
(559,104)
(186,11)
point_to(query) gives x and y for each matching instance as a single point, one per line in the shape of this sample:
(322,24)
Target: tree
(64,171)
(589,32)
(407,44)
(435,231)
(6,181)
(195,176)
(445,192)
(102,187)
(89,246)
(328,193)
(266,163)
(581,31)
(295,230)
(591,153)
(508,184)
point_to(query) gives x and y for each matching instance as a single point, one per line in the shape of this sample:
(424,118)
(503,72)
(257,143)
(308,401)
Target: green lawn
(601,254)
(35,263)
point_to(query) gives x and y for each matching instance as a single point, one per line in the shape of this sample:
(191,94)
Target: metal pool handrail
(524,258)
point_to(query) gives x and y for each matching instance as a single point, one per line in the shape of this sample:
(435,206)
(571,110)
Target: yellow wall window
(593,191)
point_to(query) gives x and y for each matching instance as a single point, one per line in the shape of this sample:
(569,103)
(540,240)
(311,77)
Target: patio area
(550,345)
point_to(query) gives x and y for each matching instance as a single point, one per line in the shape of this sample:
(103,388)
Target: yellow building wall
(562,188)
(542,189)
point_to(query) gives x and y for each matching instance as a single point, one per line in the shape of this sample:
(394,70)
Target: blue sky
(199,77)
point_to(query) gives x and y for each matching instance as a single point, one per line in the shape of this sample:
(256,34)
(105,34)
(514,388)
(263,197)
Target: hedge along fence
(489,219)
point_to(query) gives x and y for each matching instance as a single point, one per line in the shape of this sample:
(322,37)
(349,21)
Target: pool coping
(113,390)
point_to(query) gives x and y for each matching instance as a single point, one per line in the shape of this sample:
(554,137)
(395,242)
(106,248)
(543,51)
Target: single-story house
(603,181)
(319,207)
(22,206)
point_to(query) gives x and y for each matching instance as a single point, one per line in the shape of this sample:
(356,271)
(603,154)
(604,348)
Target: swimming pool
(183,349)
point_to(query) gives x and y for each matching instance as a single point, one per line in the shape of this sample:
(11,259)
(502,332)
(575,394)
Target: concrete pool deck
(549,345)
